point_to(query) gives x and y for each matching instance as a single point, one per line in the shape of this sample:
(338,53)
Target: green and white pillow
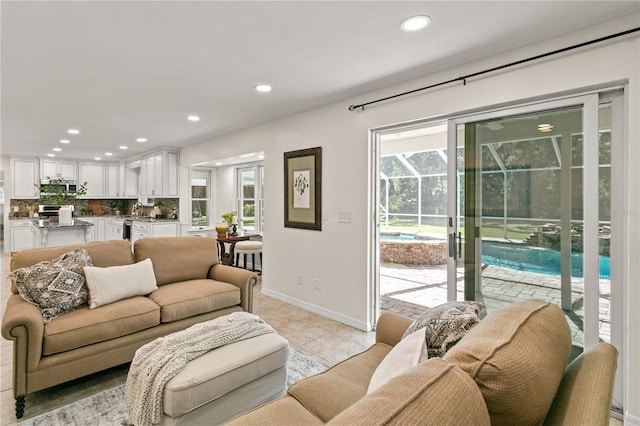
(446,324)
(55,286)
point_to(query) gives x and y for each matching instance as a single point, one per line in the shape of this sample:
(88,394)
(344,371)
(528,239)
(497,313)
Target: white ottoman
(227,381)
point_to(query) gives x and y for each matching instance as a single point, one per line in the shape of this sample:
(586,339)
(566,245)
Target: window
(250,197)
(200,184)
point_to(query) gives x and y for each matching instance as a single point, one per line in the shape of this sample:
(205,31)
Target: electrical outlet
(317,284)
(299,279)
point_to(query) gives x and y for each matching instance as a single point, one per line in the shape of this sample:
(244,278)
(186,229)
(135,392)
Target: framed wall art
(303,189)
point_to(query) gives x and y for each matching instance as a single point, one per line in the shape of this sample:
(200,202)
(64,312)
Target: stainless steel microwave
(53,186)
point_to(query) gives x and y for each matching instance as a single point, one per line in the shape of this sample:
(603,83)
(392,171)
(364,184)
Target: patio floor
(408,290)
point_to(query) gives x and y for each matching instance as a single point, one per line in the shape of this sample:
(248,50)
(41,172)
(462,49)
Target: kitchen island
(53,233)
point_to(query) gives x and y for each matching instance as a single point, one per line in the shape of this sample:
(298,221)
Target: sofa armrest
(241,278)
(586,390)
(22,322)
(391,327)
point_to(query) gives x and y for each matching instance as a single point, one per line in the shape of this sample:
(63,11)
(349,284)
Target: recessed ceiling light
(51,155)
(65,141)
(73,131)
(57,149)
(193,118)
(123,147)
(97,158)
(415,23)
(141,140)
(108,154)
(263,88)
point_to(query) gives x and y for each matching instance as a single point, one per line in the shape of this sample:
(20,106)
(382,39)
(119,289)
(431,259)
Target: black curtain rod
(511,64)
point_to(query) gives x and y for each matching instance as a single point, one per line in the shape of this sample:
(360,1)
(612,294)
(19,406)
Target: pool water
(524,258)
(535,259)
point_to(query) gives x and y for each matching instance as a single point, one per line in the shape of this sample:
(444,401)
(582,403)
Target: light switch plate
(344,217)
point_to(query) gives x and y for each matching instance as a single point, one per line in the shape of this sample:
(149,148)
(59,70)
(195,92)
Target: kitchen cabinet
(63,169)
(24,177)
(98,229)
(141,229)
(159,174)
(132,179)
(172,171)
(24,235)
(115,181)
(95,176)
(113,229)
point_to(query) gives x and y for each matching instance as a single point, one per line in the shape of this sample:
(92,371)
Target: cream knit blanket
(157,362)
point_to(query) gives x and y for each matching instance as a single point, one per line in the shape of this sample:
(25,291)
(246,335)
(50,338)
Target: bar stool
(249,247)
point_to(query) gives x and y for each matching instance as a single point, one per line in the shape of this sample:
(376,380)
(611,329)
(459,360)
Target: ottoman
(227,381)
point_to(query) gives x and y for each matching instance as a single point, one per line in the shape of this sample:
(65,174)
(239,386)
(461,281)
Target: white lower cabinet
(140,229)
(113,229)
(24,235)
(98,228)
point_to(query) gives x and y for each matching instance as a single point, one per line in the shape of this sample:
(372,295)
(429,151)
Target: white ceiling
(119,70)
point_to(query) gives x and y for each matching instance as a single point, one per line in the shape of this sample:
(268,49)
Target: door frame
(617,95)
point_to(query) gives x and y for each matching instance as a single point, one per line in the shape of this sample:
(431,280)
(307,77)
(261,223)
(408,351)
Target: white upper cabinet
(94,174)
(63,169)
(172,172)
(116,181)
(24,178)
(159,174)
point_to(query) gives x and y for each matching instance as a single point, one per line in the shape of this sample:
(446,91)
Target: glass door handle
(452,245)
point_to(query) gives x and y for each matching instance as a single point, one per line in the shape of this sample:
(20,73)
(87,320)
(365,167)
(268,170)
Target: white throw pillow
(408,353)
(108,285)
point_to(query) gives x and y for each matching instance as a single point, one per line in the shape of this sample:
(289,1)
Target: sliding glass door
(532,214)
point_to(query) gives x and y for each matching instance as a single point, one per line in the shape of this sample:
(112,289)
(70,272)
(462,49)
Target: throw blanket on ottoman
(157,362)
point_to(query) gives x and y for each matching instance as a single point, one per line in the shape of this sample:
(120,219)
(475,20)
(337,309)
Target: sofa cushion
(102,253)
(86,326)
(446,324)
(188,298)
(517,356)
(405,355)
(284,411)
(328,394)
(178,258)
(55,286)
(433,393)
(108,285)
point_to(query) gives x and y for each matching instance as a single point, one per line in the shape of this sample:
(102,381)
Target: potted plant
(55,193)
(228,217)
(117,206)
(157,207)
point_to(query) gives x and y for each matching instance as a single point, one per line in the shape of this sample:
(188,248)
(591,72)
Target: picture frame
(303,189)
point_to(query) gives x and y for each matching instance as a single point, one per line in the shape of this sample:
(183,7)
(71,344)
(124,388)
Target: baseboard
(352,322)
(631,420)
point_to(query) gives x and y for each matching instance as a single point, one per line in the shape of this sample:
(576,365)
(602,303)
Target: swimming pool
(535,259)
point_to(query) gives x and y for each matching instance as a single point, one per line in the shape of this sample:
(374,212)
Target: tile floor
(404,290)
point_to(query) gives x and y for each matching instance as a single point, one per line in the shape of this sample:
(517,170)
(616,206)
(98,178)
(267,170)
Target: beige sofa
(510,369)
(192,287)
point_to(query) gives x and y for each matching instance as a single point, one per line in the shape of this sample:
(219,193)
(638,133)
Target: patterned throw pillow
(446,324)
(55,286)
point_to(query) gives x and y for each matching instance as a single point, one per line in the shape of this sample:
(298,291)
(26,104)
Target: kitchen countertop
(133,218)
(47,224)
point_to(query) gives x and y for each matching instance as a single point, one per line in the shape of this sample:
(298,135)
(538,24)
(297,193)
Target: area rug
(107,407)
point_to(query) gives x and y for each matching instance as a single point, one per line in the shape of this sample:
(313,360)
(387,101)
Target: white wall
(338,254)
